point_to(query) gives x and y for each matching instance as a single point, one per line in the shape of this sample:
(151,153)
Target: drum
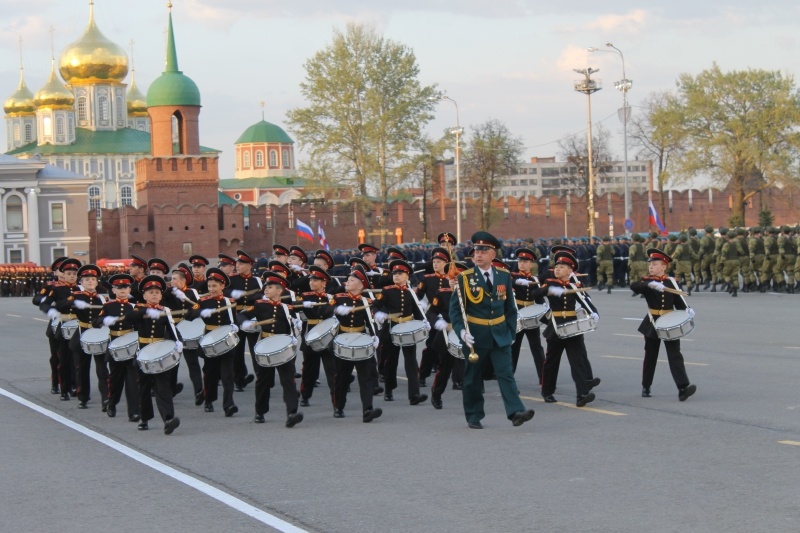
(583,323)
(55,325)
(69,328)
(454,344)
(159,357)
(247,328)
(408,333)
(529,316)
(274,351)
(219,341)
(191,331)
(95,340)
(353,346)
(320,336)
(124,347)
(674,325)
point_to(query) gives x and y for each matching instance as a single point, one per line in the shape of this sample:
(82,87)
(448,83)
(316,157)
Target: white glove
(555,291)
(441,324)
(236,294)
(656,285)
(375,341)
(109,321)
(467,338)
(205,313)
(342,310)
(595,317)
(235,328)
(294,340)
(298,268)
(308,304)
(690,312)
(249,325)
(380,317)
(53,313)
(179,346)
(523,282)
(80,304)
(426,325)
(373,273)
(179,294)
(155,314)
(298,324)
(424,305)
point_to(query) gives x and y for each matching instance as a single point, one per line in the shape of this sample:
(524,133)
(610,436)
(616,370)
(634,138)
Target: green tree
(365,109)
(489,156)
(739,127)
(426,165)
(765,218)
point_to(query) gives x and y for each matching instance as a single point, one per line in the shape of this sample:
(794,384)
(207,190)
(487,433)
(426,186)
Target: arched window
(273,158)
(60,126)
(47,126)
(126,195)
(259,159)
(103,103)
(16,132)
(28,133)
(287,163)
(94,197)
(246,159)
(119,109)
(82,108)
(14,213)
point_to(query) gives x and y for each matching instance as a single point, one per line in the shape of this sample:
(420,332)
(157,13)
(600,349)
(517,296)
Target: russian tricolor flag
(304,231)
(655,221)
(322,240)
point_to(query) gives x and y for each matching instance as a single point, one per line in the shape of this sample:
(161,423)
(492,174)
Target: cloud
(630,22)
(33,30)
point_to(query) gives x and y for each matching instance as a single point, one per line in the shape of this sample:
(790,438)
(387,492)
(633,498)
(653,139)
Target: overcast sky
(503,59)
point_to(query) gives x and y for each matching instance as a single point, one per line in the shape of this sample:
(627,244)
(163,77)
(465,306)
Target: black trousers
(577,356)
(66,366)
(83,369)
(216,369)
(364,371)
(392,359)
(447,366)
(535,344)
(52,342)
(192,359)
(265,380)
(239,365)
(163,388)
(674,357)
(310,370)
(123,375)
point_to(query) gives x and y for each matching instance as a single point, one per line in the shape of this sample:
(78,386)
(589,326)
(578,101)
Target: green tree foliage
(365,110)
(490,155)
(739,127)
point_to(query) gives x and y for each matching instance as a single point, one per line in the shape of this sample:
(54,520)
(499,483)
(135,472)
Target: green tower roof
(172,87)
(264,132)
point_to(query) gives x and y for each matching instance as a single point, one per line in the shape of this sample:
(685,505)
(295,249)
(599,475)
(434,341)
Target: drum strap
(369,313)
(172,322)
(289,319)
(675,285)
(230,313)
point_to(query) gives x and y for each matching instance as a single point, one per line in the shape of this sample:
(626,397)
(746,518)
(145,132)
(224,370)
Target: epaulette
(341,294)
(502,270)
(468,271)
(432,274)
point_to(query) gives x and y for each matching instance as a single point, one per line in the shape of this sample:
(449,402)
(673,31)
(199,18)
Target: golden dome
(21,102)
(93,58)
(54,93)
(137,102)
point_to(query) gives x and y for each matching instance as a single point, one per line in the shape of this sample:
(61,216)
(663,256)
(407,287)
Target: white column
(2,228)
(34,248)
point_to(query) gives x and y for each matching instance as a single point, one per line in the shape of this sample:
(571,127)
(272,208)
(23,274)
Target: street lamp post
(457,132)
(588,86)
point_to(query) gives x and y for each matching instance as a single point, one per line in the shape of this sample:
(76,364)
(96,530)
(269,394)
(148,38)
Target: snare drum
(320,336)
(95,340)
(191,331)
(69,328)
(454,344)
(408,333)
(353,346)
(159,357)
(528,317)
(674,325)
(55,325)
(219,341)
(274,351)
(583,323)
(124,348)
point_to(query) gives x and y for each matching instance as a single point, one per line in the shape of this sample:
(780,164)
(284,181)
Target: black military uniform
(136,294)
(312,358)
(280,324)
(659,303)
(429,287)
(49,332)
(245,289)
(121,374)
(199,282)
(524,286)
(446,363)
(180,302)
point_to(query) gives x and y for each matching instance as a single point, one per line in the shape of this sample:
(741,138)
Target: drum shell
(582,324)
(91,346)
(529,317)
(274,351)
(408,333)
(676,328)
(69,328)
(191,331)
(124,348)
(454,345)
(164,357)
(219,341)
(319,337)
(353,346)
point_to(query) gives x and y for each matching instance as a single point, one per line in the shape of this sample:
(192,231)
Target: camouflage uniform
(745,265)
(730,253)
(637,259)
(718,260)
(605,264)
(755,245)
(707,257)
(682,257)
(788,256)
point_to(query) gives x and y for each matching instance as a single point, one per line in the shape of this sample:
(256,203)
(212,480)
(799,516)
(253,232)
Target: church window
(94,198)
(60,126)
(28,132)
(82,108)
(119,110)
(16,132)
(103,102)
(287,162)
(273,158)
(47,126)
(259,159)
(126,195)
(246,158)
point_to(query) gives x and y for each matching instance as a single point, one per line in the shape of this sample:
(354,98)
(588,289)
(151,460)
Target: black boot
(713,287)
(733,292)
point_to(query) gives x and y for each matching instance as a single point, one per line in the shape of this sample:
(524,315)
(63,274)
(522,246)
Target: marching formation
(469,316)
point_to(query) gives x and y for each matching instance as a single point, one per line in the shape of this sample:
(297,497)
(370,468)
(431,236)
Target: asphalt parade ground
(728,459)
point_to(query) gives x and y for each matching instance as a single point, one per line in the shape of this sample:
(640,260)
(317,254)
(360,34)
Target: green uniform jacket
(484,304)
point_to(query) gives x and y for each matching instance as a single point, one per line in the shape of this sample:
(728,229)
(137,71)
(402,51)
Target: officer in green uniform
(683,261)
(755,244)
(487,295)
(605,264)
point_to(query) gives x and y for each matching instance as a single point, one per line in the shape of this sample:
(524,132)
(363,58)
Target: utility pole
(588,86)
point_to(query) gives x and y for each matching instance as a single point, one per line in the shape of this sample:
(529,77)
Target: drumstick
(265,322)
(312,305)
(580,289)
(675,291)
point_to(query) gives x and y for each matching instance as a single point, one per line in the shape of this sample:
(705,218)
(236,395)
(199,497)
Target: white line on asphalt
(626,335)
(639,359)
(792,347)
(18,316)
(41,320)
(626,318)
(789,442)
(201,486)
